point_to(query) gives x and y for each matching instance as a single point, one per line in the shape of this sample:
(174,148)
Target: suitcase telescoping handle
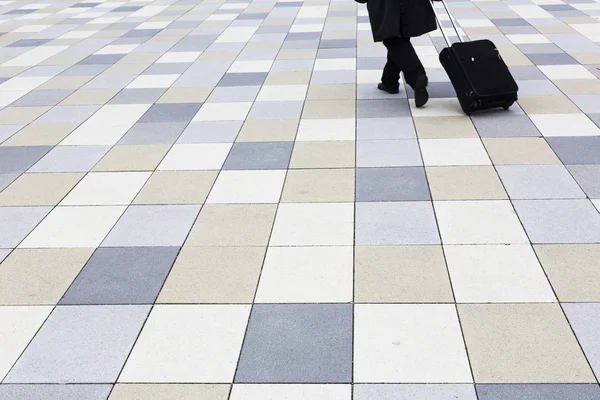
(452,21)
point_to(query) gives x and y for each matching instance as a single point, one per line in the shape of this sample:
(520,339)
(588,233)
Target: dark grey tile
(552,59)
(7,179)
(18,159)
(382,108)
(137,96)
(101,59)
(39,98)
(260,155)
(576,150)
(243,79)
(428,391)
(588,178)
(539,392)
(337,44)
(178,112)
(391,184)
(303,343)
(29,42)
(585,321)
(154,133)
(499,125)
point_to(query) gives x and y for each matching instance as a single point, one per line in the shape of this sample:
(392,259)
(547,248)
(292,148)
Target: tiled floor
(210,200)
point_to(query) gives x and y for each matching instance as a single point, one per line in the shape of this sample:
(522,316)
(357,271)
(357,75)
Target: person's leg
(390,79)
(403,54)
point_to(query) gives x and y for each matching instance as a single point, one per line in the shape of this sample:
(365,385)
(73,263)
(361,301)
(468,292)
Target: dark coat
(400,18)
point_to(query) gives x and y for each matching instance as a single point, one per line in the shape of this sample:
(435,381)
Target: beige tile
(572,270)
(482,31)
(262,46)
(522,343)
(318,185)
(132,158)
(444,127)
(90,96)
(126,68)
(214,275)
(506,151)
(401,274)
(39,189)
(331,92)
(185,95)
(548,105)
(218,56)
(233,225)
(329,109)
(169,392)
(465,183)
(288,78)
(65,82)
(297,54)
(64,59)
(578,86)
(41,134)
(546,29)
(278,22)
(512,56)
(39,276)
(586,58)
(21,115)
(334,34)
(333,154)
(268,131)
(177,187)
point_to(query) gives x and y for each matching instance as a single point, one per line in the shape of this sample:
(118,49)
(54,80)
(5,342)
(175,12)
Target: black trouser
(401,57)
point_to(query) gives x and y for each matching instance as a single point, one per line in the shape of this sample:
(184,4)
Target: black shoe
(421,95)
(384,88)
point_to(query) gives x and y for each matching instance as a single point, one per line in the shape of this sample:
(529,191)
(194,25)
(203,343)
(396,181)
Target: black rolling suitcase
(478,74)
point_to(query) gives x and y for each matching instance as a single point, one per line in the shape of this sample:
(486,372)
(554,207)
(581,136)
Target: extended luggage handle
(452,21)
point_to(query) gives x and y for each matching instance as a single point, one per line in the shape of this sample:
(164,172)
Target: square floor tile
(282,93)
(315,347)
(565,125)
(74,227)
(572,270)
(444,127)
(71,337)
(268,131)
(19,325)
(505,126)
(18,222)
(166,225)
(106,188)
(265,155)
(159,391)
(539,182)
(39,276)
(522,343)
(306,275)
(395,223)
(130,275)
(385,128)
(324,154)
(214,275)
(247,187)
(401,274)
(233,225)
(307,224)
(538,391)
(210,132)
(584,318)
(70,159)
(185,157)
(414,343)
(497,274)
(181,112)
(555,72)
(52,391)
(18,159)
(465,183)
(290,391)
(212,333)
(176,187)
(479,222)
(39,189)
(391,184)
(522,151)
(132,158)
(576,150)
(586,177)
(559,221)
(388,153)
(318,186)
(446,152)
(326,129)
(415,392)
(223,111)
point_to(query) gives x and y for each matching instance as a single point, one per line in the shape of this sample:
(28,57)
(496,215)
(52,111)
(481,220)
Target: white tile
(195,157)
(18,326)
(414,343)
(153,81)
(282,93)
(74,227)
(476,23)
(247,187)
(311,224)
(117,49)
(298,28)
(291,392)
(148,11)
(306,275)
(223,111)
(447,152)
(24,83)
(251,66)
(222,17)
(596,203)
(335,64)
(590,31)
(497,274)
(179,57)
(153,25)
(326,129)
(438,108)
(565,125)
(234,6)
(107,188)
(107,126)
(78,34)
(479,222)
(34,56)
(528,39)
(236,34)
(370,76)
(312,12)
(31,28)
(7,97)
(531,11)
(188,343)
(566,72)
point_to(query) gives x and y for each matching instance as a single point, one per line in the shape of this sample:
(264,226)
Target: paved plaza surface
(211,200)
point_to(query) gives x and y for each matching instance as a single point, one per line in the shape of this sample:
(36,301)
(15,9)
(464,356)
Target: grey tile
(125,275)
(388,153)
(527,73)
(261,155)
(382,108)
(385,128)
(539,48)
(337,44)
(588,178)
(333,77)
(7,131)
(210,132)
(167,68)
(297,343)
(276,110)
(396,223)
(415,392)
(589,104)
(585,321)
(109,82)
(391,184)
(42,98)
(552,59)
(154,133)
(539,392)
(233,93)
(542,87)
(178,112)
(243,79)
(54,392)
(137,96)
(166,225)
(559,221)
(70,159)
(18,222)
(4,253)
(539,182)
(504,126)
(18,159)
(7,179)
(68,114)
(80,344)
(95,59)
(576,150)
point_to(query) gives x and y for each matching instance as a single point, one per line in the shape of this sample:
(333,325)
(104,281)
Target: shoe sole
(421,94)
(384,89)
